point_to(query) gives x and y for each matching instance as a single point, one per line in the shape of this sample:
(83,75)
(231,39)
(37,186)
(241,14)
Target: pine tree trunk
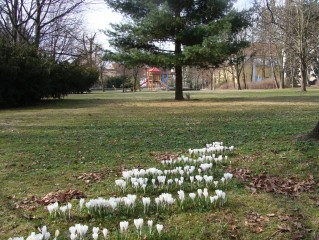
(179,74)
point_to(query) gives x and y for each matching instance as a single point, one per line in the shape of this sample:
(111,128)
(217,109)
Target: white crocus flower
(161,180)
(191,179)
(209,180)
(146,202)
(159,228)
(135,185)
(223,195)
(34,236)
(69,206)
(222,180)
(176,181)
(150,225)
(218,193)
(199,192)
(45,234)
(81,203)
(139,224)
(157,201)
(154,183)
(53,208)
(123,226)
(132,197)
(144,187)
(73,236)
(81,230)
(199,179)
(63,209)
(181,195)
(192,196)
(170,181)
(95,236)
(105,232)
(57,233)
(228,176)
(121,183)
(213,199)
(72,230)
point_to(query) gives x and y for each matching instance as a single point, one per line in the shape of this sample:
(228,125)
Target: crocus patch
(185,182)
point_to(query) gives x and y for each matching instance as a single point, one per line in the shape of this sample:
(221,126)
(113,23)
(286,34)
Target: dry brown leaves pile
(241,174)
(89,177)
(291,186)
(160,156)
(60,196)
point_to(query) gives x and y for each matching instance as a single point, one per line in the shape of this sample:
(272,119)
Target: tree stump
(313,135)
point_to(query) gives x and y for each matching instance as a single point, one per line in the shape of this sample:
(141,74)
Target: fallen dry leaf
(271,215)
(241,174)
(284,228)
(88,177)
(256,222)
(287,186)
(160,156)
(60,197)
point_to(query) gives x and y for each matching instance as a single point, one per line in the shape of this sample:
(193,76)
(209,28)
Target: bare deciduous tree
(297,22)
(49,25)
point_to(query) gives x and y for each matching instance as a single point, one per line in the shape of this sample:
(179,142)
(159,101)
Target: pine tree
(178,33)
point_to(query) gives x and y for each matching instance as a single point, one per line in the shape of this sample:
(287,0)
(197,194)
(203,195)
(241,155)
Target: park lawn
(45,149)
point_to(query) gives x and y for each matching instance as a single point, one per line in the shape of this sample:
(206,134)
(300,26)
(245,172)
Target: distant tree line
(42,53)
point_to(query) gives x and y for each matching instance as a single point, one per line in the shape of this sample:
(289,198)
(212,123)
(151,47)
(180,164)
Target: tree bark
(303,71)
(179,74)
(313,135)
(244,77)
(315,132)
(15,21)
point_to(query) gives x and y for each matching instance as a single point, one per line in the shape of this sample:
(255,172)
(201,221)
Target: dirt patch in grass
(161,156)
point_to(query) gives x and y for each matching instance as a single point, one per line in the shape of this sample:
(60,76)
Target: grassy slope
(45,148)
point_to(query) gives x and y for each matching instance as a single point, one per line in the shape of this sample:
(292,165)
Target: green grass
(44,148)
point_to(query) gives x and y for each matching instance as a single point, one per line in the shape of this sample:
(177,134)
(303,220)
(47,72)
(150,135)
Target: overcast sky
(98,16)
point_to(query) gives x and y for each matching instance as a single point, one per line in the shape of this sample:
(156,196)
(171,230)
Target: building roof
(154,69)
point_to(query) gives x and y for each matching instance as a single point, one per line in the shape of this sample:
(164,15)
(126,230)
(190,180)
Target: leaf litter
(161,156)
(291,186)
(60,196)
